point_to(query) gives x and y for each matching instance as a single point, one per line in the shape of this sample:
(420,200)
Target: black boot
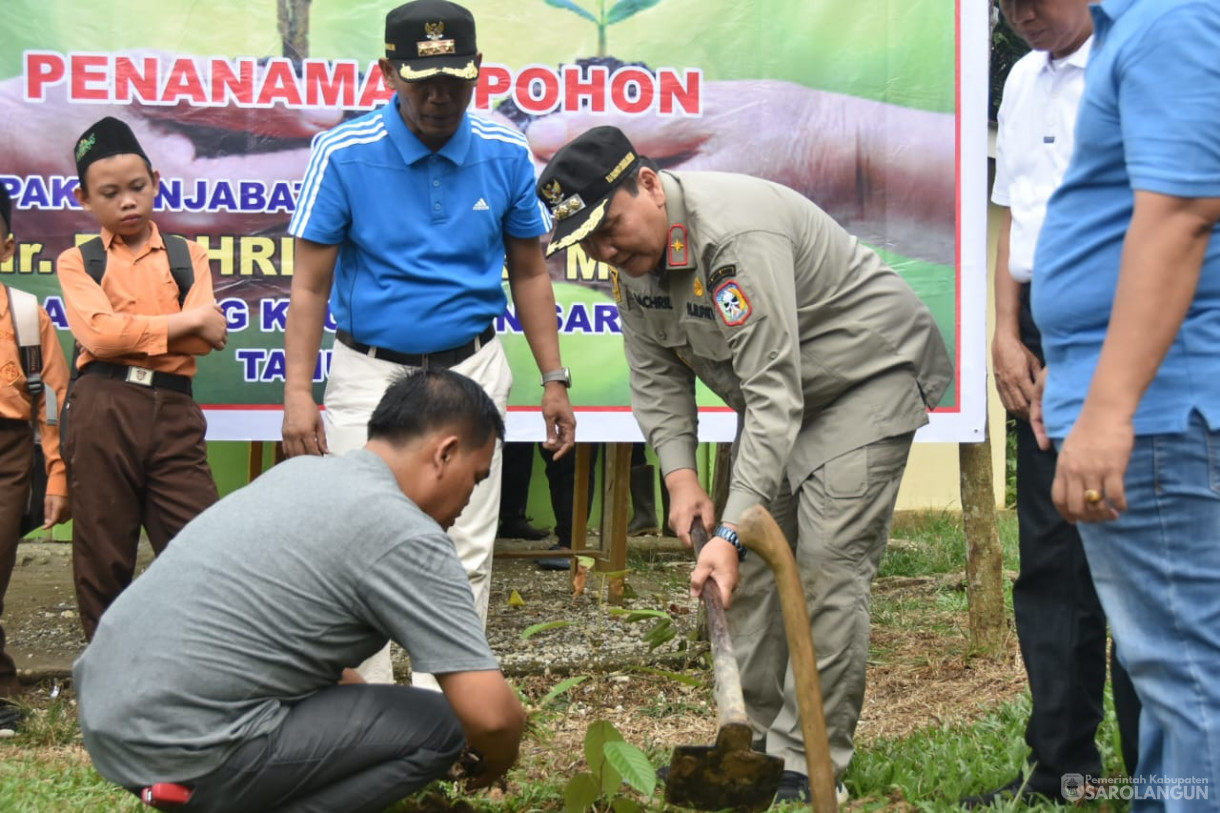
(643,502)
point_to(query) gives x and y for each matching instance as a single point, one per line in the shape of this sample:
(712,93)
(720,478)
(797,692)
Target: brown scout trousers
(16,457)
(135,456)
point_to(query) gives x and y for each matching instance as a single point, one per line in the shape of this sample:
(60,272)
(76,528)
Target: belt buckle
(140,375)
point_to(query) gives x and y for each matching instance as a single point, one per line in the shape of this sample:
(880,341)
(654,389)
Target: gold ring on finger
(1092,496)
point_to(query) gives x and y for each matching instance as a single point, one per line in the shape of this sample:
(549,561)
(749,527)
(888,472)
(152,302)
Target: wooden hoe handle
(760,533)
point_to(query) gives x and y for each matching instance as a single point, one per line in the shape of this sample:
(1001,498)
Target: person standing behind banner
(829,358)
(134,436)
(1126,292)
(1060,623)
(406,220)
(17,410)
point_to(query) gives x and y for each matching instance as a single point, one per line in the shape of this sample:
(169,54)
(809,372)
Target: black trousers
(561,477)
(352,748)
(1060,624)
(16,457)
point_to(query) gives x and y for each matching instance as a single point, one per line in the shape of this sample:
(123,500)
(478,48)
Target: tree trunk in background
(293,18)
(984,561)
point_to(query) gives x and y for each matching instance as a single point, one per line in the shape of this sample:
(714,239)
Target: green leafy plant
(612,761)
(605,17)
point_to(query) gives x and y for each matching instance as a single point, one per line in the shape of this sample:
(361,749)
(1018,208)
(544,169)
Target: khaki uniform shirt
(125,319)
(15,397)
(818,345)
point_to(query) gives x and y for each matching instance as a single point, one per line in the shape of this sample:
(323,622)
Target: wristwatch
(729,535)
(563,375)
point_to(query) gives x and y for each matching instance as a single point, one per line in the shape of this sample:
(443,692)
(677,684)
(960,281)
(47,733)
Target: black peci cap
(105,138)
(581,178)
(427,38)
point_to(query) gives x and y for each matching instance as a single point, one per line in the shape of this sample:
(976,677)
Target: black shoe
(794,787)
(519,528)
(556,562)
(11,716)
(1016,789)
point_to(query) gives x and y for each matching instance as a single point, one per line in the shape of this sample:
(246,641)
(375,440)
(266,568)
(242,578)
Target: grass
(980,746)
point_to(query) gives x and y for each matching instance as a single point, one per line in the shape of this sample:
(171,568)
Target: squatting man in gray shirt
(220,668)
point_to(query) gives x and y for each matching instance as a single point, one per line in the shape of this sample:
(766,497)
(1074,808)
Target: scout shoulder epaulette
(94,254)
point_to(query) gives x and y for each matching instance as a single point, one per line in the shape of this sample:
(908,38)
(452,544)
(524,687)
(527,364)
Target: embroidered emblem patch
(733,303)
(9,373)
(721,274)
(679,251)
(698,287)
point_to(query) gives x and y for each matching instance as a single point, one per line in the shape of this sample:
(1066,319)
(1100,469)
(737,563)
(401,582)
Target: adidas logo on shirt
(481,206)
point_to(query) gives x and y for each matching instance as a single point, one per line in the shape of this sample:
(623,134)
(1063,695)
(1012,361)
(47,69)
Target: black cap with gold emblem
(106,137)
(581,178)
(427,38)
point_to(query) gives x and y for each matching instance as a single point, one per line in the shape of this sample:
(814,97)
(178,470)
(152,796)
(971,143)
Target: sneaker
(11,716)
(556,562)
(1017,789)
(519,528)
(794,787)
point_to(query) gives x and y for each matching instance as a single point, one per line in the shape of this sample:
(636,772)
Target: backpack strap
(23,308)
(179,255)
(180,264)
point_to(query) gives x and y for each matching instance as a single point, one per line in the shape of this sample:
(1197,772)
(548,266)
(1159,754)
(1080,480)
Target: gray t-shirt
(261,601)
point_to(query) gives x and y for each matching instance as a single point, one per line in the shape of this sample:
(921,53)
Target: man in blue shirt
(1126,292)
(406,220)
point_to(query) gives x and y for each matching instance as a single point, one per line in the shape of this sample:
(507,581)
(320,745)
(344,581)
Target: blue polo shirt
(420,234)
(1149,120)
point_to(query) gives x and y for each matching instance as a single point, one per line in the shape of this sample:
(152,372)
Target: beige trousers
(843,511)
(353,391)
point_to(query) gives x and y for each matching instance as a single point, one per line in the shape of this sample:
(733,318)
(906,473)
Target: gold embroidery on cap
(409,74)
(622,165)
(553,192)
(435,47)
(434,30)
(568,208)
(582,231)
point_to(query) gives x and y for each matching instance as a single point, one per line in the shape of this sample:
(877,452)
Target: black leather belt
(441,358)
(141,376)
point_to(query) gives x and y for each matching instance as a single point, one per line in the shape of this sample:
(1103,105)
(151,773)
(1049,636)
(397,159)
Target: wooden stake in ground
(984,561)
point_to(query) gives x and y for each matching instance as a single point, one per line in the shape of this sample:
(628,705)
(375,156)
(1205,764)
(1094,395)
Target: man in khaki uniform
(831,362)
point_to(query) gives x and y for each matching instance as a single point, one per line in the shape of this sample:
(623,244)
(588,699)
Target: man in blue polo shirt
(1126,292)
(406,219)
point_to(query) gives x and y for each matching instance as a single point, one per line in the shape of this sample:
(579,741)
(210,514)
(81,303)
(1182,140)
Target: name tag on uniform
(140,375)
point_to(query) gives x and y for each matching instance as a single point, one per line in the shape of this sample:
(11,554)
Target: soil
(918,677)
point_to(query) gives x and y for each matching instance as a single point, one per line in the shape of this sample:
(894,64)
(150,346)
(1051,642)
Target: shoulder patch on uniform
(733,304)
(678,252)
(720,275)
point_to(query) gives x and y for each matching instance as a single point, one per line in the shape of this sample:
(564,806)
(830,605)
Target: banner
(876,111)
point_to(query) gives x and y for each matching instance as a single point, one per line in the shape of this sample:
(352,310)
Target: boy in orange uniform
(17,411)
(134,436)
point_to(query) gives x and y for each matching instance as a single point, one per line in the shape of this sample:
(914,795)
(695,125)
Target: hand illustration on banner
(885,172)
(186,143)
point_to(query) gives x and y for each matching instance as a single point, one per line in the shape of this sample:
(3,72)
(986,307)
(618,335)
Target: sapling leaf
(633,764)
(570,6)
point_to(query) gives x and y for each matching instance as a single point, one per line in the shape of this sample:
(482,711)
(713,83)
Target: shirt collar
(1078,58)
(1106,14)
(413,150)
(154,237)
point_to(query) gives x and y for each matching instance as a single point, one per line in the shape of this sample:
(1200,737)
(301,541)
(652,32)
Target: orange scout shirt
(125,319)
(15,398)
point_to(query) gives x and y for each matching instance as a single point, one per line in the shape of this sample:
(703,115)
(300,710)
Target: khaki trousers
(842,513)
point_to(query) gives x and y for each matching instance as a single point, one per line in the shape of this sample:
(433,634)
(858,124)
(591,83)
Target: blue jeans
(1157,573)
